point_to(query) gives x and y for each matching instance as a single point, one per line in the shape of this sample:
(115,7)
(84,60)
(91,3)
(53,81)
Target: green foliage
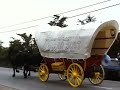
(27,45)
(16,46)
(3,55)
(87,20)
(27,39)
(57,21)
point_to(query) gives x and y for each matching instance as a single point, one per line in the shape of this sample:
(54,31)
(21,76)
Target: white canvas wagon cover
(73,44)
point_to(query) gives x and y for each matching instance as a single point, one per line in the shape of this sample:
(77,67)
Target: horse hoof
(13,75)
(29,74)
(25,76)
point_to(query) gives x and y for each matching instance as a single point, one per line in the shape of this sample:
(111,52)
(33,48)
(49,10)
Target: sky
(14,12)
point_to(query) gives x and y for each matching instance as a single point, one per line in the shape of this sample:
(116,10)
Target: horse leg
(13,72)
(25,72)
(29,73)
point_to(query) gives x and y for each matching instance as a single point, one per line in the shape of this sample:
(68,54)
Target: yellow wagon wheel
(43,72)
(75,75)
(97,75)
(62,76)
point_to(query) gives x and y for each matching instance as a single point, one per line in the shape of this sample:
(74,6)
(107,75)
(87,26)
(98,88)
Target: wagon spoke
(70,74)
(75,81)
(74,67)
(79,76)
(100,77)
(97,80)
(70,71)
(71,79)
(93,80)
(40,68)
(77,69)
(78,81)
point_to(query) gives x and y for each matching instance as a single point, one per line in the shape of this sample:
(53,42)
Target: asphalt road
(53,83)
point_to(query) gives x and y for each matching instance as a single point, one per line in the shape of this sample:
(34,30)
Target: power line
(95,10)
(68,17)
(58,14)
(19,29)
(84,7)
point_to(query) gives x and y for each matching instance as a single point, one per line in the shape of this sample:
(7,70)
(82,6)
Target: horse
(32,63)
(17,60)
(25,60)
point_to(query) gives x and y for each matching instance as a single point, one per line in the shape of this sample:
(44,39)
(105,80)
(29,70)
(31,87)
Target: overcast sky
(17,11)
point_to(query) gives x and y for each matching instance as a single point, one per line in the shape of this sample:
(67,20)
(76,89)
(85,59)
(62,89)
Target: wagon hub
(75,74)
(43,72)
(97,74)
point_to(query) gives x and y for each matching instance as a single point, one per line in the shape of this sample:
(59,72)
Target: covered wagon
(76,54)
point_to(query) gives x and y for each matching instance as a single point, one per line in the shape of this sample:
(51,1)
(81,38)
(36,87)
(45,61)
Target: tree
(24,53)
(57,21)
(87,20)
(3,55)
(1,48)
(27,45)
(15,46)
(27,40)
(61,22)
(1,44)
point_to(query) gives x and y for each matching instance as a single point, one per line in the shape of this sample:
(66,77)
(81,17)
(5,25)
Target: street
(53,83)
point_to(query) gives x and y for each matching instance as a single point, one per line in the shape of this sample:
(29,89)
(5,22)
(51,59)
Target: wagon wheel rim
(43,72)
(75,75)
(62,76)
(98,76)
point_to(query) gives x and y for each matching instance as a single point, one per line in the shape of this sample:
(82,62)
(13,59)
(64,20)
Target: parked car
(112,68)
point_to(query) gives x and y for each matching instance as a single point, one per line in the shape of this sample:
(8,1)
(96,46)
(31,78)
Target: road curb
(4,87)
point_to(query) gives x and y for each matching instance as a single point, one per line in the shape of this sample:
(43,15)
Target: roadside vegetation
(26,42)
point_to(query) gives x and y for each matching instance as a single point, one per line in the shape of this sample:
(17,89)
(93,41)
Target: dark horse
(24,59)
(17,60)
(32,63)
